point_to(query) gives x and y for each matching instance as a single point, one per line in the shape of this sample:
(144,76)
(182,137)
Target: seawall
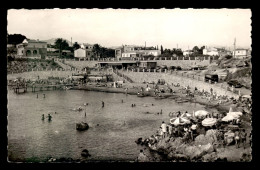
(183,81)
(182,63)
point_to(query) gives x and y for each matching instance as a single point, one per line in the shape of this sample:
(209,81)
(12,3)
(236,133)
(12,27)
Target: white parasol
(231,115)
(209,122)
(201,113)
(179,121)
(187,115)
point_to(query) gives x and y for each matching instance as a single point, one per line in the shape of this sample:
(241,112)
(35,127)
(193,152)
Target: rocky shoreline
(206,147)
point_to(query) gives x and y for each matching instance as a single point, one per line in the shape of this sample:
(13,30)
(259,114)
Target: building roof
(33,41)
(209,49)
(66,51)
(149,50)
(241,49)
(132,52)
(148,61)
(116,62)
(87,44)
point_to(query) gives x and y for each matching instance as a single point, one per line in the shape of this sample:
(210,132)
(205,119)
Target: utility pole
(60,51)
(235,48)
(188,51)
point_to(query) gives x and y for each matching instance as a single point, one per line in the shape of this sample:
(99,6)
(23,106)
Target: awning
(114,64)
(78,77)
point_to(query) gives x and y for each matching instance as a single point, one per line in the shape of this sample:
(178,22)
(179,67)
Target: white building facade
(240,53)
(210,51)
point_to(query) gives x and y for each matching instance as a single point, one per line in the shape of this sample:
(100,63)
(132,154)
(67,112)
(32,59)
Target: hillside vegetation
(21,65)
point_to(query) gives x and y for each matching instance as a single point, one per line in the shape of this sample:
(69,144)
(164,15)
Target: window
(28,52)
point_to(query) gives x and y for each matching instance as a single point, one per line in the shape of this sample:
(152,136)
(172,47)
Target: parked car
(234,83)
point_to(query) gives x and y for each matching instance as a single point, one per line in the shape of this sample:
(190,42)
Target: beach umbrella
(227,118)
(187,115)
(201,113)
(246,96)
(179,121)
(209,122)
(236,115)
(193,127)
(231,115)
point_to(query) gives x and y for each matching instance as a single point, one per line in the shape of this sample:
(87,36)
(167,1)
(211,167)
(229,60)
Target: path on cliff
(64,66)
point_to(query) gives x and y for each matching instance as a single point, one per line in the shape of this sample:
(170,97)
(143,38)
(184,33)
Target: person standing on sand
(103,104)
(170,129)
(243,137)
(237,138)
(164,129)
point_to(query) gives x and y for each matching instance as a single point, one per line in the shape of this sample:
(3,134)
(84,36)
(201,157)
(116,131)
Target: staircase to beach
(124,77)
(64,66)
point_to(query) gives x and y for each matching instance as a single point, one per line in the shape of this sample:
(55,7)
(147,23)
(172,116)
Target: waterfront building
(187,52)
(148,64)
(32,49)
(132,54)
(241,53)
(210,51)
(134,51)
(85,51)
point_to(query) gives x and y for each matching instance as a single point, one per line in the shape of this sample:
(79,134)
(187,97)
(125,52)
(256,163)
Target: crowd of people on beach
(188,132)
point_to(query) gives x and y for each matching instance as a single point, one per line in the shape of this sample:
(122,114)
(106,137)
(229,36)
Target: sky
(170,28)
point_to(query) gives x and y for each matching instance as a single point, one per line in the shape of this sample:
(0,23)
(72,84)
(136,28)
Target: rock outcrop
(82,126)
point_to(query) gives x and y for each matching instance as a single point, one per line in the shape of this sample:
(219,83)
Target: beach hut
(201,113)
(209,122)
(179,121)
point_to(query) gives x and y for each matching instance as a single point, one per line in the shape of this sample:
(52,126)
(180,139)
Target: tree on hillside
(201,49)
(161,49)
(96,49)
(15,38)
(109,53)
(195,49)
(177,52)
(61,44)
(76,46)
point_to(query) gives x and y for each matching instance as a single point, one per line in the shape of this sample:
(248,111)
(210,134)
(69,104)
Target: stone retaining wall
(182,63)
(81,64)
(182,80)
